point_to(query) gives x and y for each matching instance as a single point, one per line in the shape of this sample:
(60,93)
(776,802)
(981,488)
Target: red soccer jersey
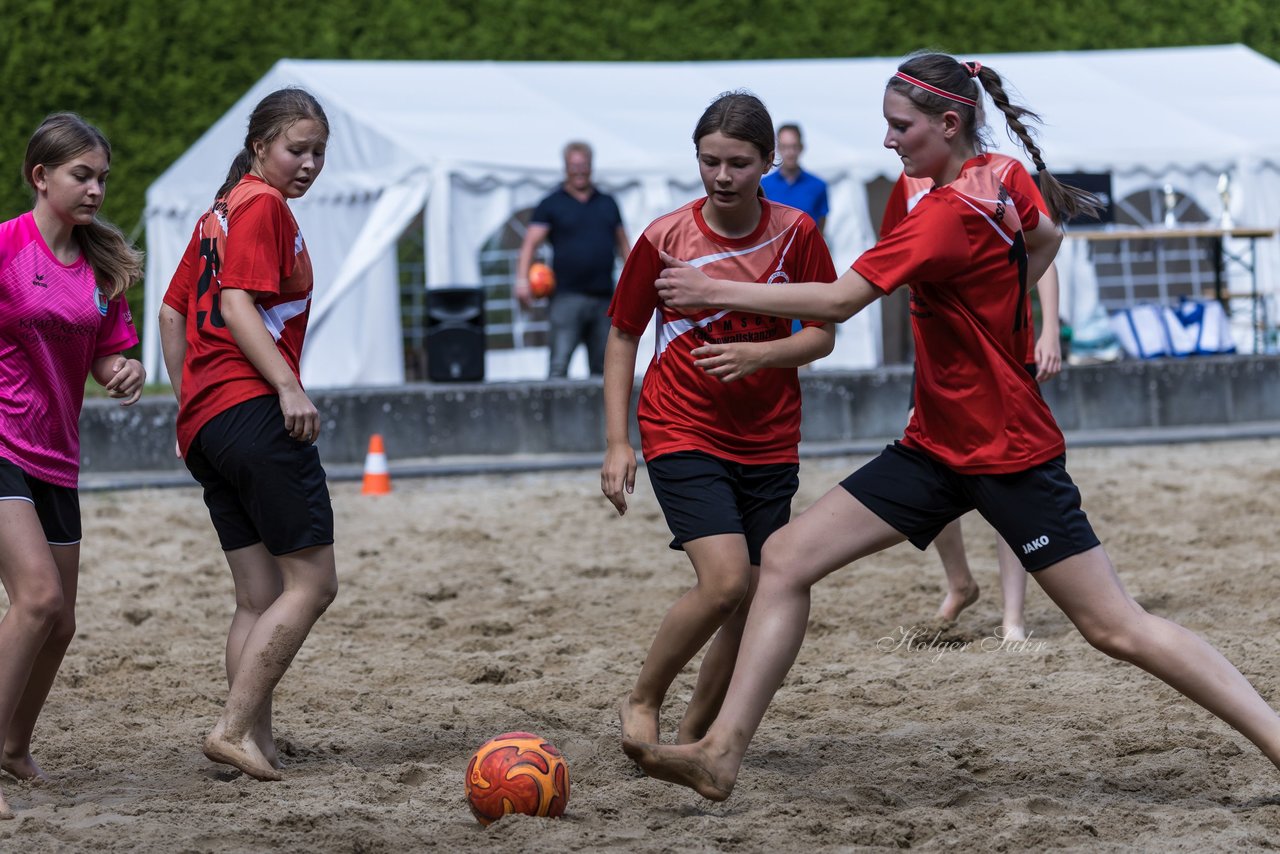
(248,241)
(908,191)
(962,253)
(755,420)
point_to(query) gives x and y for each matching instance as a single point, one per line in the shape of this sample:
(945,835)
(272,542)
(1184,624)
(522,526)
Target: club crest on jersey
(100,300)
(778,277)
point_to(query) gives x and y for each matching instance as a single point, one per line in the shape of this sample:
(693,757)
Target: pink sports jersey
(247,241)
(53,323)
(755,420)
(961,251)
(908,191)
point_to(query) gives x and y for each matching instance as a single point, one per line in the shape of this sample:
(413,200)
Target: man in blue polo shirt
(791,185)
(586,234)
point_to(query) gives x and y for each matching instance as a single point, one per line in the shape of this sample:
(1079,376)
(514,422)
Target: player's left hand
(682,286)
(1048,357)
(128,377)
(728,362)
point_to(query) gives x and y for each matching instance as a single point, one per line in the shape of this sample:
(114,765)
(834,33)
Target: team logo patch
(100,300)
(39,281)
(779,277)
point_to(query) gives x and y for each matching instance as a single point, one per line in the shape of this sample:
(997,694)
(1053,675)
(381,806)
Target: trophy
(1170,202)
(1224,193)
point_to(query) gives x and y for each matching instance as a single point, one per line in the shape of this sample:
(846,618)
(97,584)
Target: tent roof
(1132,110)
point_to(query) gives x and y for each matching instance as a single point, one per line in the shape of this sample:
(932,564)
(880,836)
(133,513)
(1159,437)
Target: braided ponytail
(939,83)
(1064,201)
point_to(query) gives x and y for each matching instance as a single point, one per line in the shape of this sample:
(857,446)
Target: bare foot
(1013,633)
(690,733)
(683,764)
(267,746)
(639,722)
(243,754)
(23,768)
(957,601)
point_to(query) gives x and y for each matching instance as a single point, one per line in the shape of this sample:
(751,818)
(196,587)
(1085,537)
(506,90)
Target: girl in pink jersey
(981,437)
(63,318)
(719,410)
(232,328)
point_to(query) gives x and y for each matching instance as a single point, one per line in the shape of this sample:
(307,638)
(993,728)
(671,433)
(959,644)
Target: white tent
(474,142)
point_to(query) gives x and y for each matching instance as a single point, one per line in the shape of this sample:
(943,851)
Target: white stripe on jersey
(991,222)
(669,332)
(720,256)
(278,315)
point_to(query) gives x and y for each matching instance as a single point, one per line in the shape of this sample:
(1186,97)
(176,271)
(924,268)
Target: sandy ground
(475,605)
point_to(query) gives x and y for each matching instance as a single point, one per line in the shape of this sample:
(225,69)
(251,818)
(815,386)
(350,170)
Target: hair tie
(935,90)
(1040,167)
(973,68)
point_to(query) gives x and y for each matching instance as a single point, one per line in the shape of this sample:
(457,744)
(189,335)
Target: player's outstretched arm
(686,288)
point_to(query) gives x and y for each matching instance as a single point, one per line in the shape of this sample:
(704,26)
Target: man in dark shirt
(586,233)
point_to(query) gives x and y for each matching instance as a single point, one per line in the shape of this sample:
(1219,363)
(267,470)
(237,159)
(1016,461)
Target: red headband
(935,90)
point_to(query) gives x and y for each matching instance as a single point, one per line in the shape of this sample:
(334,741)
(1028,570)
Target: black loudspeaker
(455,334)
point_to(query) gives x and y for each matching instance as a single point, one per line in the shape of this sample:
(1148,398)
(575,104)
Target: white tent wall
(477,141)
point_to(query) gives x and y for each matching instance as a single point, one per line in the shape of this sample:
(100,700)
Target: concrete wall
(567,417)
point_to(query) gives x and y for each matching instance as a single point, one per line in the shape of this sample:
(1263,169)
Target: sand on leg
(309,586)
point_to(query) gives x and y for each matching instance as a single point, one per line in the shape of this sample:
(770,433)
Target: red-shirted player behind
(1043,361)
(719,410)
(232,328)
(981,437)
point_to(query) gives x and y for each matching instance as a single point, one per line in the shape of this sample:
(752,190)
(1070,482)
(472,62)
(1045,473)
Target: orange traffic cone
(377,480)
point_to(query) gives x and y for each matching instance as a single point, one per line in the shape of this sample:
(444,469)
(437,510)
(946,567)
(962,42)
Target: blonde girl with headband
(232,328)
(981,436)
(63,318)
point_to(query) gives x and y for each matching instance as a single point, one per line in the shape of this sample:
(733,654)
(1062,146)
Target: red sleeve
(1028,212)
(259,247)
(635,298)
(928,246)
(1017,180)
(179,292)
(895,210)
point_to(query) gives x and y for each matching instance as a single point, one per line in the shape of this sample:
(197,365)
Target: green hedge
(154,74)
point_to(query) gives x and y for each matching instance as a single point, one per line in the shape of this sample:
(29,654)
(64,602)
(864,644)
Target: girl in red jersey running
(232,328)
(981,437)
(1043,360)
(719,410)
(63,318)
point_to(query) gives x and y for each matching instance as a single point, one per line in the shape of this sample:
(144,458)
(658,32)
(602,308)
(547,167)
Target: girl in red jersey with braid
(1043,361)
(719,410)
(981,436)
(232,328)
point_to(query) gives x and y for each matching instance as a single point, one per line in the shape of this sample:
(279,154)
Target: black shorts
(58,507)
(702,496)
(1036,511)
(260,484)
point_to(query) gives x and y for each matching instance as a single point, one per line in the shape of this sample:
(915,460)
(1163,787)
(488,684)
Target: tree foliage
(155,74)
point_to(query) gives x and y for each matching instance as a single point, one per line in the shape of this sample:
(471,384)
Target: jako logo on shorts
(1038,543)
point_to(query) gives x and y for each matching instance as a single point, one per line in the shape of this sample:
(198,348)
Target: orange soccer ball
(517,772)
(541,281)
